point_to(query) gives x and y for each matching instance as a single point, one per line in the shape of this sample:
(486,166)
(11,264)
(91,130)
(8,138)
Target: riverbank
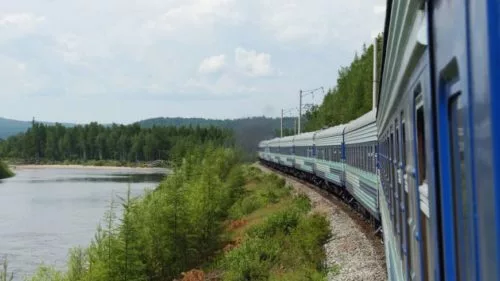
(92,163)
(89,167)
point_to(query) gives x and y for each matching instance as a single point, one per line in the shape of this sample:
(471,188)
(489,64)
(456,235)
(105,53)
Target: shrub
(5,172)
(251,261)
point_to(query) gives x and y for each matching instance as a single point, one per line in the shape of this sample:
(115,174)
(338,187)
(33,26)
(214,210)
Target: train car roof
(274,142)
(387,24)
(305,136)
(287,138)
(330,132)
(305,139)
(362,121)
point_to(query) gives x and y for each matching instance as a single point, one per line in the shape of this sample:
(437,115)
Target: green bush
(270,189)
(251,261)
(5,172)
(286,246)
(282,222)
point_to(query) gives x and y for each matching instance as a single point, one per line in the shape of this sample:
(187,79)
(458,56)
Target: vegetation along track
(355,251)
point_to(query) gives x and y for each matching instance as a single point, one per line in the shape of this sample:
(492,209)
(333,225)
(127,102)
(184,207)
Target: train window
(365,157)
(406,198)
(421,146)
(423,187)
(373,160)
(462,207)
(392,183)
(356,156)
(399,188)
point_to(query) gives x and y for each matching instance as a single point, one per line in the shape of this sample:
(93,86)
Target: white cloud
(212,64)
(20,19)
(199,13)
(130,50)
(227,85)
(253,63)
(379,9)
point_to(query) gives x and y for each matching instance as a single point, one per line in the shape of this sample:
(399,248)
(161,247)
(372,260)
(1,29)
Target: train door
(483,103)
(461,251)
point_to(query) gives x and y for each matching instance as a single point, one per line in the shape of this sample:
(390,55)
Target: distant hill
(248,131)
(10,127)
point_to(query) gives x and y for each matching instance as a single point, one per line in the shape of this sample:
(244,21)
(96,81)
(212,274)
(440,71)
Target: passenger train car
(426,164)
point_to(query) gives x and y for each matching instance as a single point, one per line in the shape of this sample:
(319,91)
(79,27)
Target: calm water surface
(45,212)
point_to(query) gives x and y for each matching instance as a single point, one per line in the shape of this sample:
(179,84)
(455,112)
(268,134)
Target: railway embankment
(353,252)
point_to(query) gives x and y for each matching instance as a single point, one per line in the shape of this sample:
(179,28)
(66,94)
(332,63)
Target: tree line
(248,132)
(130,143)
(352,96)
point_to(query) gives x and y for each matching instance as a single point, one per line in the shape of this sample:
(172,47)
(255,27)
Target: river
(46,211)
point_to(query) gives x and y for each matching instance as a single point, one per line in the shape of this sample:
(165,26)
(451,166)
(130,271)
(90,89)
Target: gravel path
(353,253)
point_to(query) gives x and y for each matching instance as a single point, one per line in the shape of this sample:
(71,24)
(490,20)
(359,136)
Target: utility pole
(374,90)
(303,94)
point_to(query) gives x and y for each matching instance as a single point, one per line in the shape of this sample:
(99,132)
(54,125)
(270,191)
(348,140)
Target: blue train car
(403,135)
(274,150)
(439,164)
(360,137)
(304,152)
(287,157)
(263,150)
(329,145)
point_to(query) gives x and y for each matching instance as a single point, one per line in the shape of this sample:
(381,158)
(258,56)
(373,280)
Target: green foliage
(352,96)
(271,189)
(248,132)
(47,273)
(287,246)
(5,172)
(169,230)
(4,274)
(253,260)
(116,144)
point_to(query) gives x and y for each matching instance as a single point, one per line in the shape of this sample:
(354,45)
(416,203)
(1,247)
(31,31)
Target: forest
(352,95)
(132,143)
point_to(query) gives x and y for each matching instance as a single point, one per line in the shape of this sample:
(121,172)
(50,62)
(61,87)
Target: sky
(128,60)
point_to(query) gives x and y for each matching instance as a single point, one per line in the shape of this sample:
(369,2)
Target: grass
(280,239)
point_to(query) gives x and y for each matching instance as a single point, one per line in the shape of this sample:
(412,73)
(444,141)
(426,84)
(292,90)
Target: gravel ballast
(353,253)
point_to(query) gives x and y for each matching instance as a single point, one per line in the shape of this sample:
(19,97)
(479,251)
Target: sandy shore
(18,167)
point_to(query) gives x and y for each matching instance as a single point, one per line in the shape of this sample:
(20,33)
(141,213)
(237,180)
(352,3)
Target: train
(424,164)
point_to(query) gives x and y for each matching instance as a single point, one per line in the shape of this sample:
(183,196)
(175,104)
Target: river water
(46,211)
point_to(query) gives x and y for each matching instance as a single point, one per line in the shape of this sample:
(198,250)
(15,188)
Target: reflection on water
(45,212)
